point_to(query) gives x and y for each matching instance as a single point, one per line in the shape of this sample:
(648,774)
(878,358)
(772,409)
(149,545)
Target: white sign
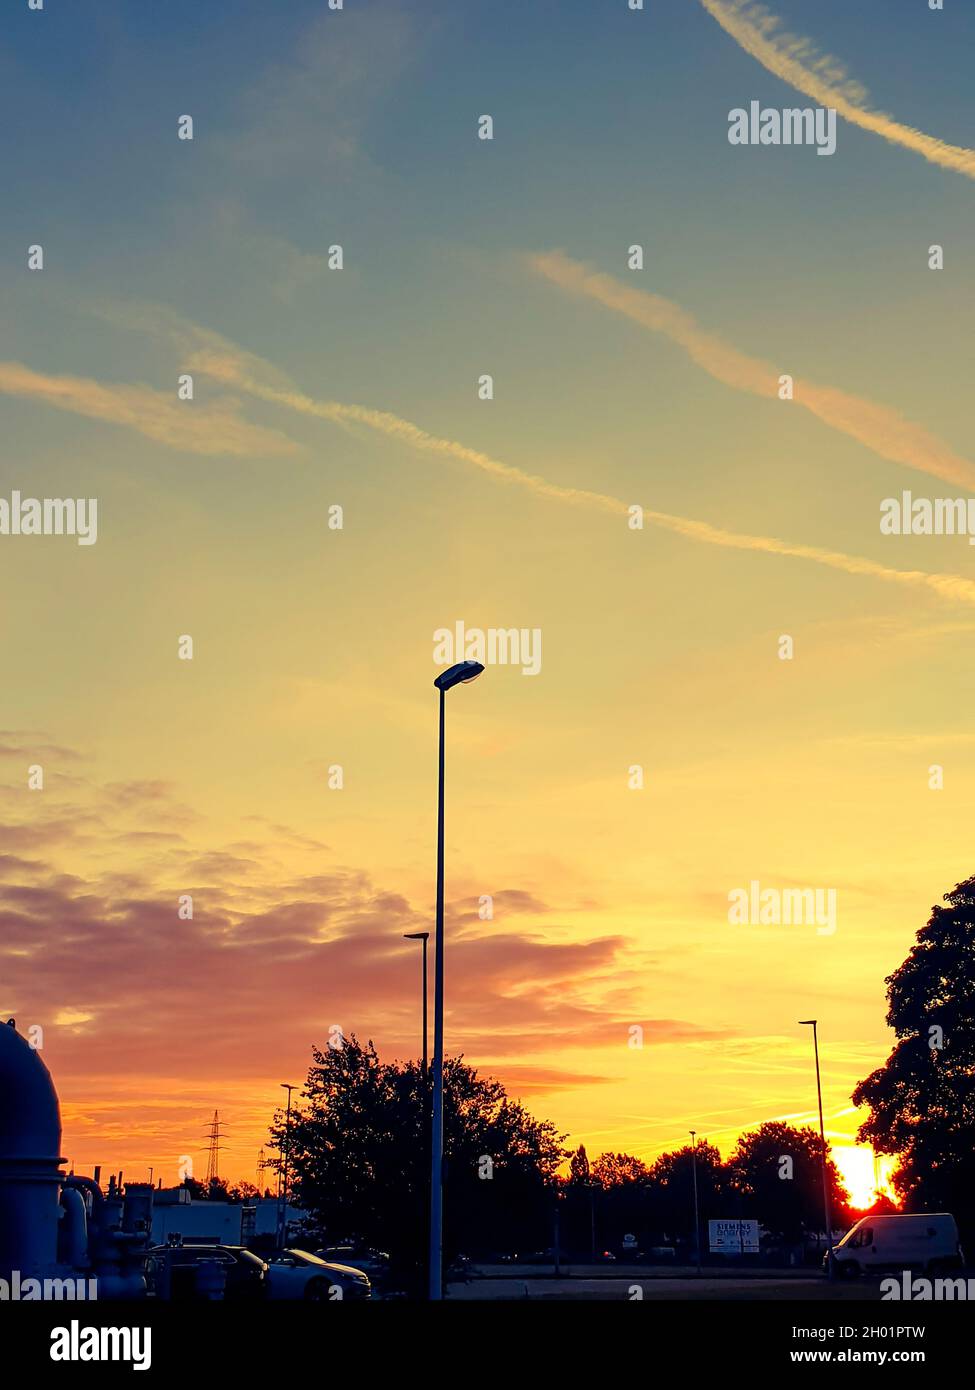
(733,1237)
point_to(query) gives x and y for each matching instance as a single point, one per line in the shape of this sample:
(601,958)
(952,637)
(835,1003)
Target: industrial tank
(30,1161)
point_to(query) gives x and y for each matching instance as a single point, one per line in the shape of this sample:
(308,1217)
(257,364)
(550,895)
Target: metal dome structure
(30,1161)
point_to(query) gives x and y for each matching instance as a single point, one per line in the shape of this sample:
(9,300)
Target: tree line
(358,1144)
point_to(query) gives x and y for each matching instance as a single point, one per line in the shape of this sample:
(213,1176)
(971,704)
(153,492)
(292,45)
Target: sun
(865,1175)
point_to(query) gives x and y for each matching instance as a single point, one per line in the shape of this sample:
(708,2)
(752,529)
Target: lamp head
(461,674)
(416,936)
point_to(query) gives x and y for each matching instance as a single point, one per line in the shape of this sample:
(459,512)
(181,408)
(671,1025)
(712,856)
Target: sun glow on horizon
(865,1175)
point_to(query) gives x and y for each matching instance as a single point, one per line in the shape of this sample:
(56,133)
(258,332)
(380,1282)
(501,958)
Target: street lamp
(283,1185)
(697,1219)
(461,674)
(423,936)
(811,1023)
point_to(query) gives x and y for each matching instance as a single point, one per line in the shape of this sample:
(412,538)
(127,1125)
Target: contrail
(880,428)
(224,364)
(159,415)
(796,61)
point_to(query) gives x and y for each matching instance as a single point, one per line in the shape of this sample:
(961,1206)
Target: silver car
(297,1274)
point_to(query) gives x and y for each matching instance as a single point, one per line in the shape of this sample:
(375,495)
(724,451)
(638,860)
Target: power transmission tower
(215,1134)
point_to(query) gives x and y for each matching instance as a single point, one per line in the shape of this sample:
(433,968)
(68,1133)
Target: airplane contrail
(879,427)
(214,429)
(796,61)
(224,363)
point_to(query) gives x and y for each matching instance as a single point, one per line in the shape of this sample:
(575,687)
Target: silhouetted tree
(580,1222)
(616,1170)
(359,1158)
(623,1198)
(579,1166)
(776,1172)
(217,1190)
(672,1192)
(244,1192)
(922,1100)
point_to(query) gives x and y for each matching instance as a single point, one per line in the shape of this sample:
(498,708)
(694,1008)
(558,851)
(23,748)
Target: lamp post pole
(811,1023)
(697,1219)
(436,1153)
(283,1203)
(463,672)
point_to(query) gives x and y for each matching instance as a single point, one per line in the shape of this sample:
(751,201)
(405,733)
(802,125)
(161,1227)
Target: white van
(925,1240)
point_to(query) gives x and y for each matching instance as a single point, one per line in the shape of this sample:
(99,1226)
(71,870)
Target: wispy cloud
(226,368)
(308,113)
(797,61)
(880,428)
(216,428)
(949,586)
(216,357)
(306,941)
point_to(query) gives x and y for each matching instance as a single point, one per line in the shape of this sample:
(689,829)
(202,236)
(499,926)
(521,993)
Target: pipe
(74,1245)
(89,1185)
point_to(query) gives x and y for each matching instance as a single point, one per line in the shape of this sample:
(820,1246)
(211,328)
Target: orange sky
(784,676)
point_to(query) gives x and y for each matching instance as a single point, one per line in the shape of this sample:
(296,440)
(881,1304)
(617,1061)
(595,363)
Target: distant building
(174,1213)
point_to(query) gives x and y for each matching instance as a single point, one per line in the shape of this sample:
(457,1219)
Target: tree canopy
(359,1156)
(922,1100)
(777,1172)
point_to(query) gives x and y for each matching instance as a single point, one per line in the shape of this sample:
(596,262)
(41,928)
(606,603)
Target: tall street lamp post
(283,1200)
(811,1023)
(462,673)
(697,1219)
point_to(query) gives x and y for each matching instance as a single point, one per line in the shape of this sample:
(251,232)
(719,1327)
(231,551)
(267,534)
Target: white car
(297,1274)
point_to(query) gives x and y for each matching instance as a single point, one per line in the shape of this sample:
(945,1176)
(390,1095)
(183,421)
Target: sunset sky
(313,647)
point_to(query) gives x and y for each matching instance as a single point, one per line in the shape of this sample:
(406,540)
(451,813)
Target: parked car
(460,1269)
(375,1263)
(903,1240)
(298,1274)
(185,1271)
